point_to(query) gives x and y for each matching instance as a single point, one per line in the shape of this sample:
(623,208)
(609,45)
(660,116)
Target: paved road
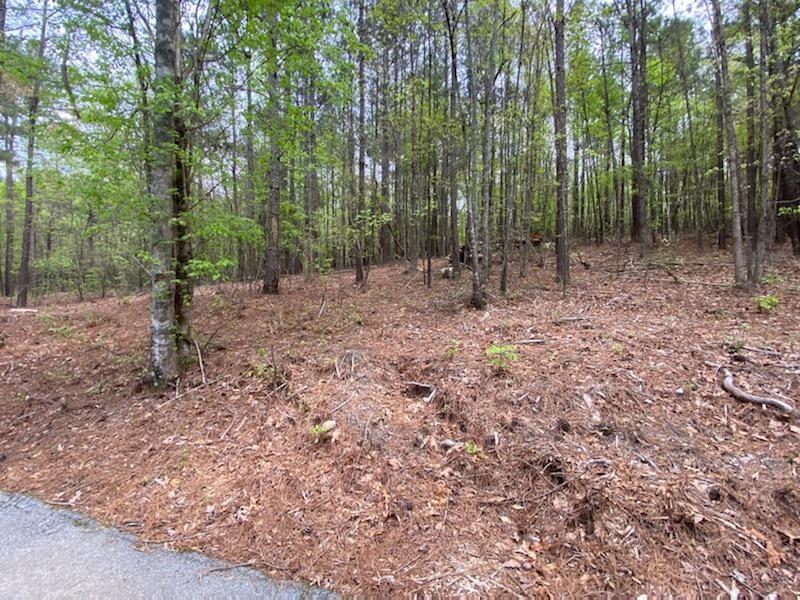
(47,553)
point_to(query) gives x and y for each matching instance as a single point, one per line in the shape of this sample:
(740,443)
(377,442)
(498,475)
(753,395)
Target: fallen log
(742,396)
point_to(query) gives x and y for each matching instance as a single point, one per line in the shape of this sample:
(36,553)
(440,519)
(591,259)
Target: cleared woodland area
(601,455)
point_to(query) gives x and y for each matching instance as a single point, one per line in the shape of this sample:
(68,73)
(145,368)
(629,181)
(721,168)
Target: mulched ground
(606,458)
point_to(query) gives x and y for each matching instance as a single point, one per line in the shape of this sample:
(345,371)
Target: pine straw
(609,459)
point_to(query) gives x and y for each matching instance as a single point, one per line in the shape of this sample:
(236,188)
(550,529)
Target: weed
(735,346)
(453,348)
(217,302)
(471,448)
(324,430)
(46,319)
(500,356)
(64,331)
(772,279)
(267,369)
(767,303)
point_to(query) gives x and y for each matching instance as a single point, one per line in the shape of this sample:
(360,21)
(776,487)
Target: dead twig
(571,319)
(343,403)
(200,360)
(245,565)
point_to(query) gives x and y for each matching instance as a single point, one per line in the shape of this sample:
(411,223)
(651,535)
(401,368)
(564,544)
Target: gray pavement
(48,553)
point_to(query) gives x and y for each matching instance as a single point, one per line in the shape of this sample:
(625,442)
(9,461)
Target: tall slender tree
(33,115)
(163,350)
(560,128)
(739,255)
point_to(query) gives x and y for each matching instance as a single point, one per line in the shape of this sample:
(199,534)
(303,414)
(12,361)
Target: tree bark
(560,125)
(8,278)
(749,195)
(739,256)
(478,293)
(276,175)
(637,27)
(720,162)
(163,355)
(697,191)
(361,206)
(763,113)
(33,113)
(452,166)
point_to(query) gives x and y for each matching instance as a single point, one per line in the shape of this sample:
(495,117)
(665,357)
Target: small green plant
(218,301)
(772,279)
(64,331)
(766,304)
(324,430)
(453,348)
(617,348)
(735,346)
(46,319)
(472,448)
(268,369)
(352,315)
(500,356)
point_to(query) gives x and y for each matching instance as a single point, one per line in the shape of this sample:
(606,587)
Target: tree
(33,113)
(362,151)
(560,127)
(764,27)
(637,32)
(739,257)
(163,349)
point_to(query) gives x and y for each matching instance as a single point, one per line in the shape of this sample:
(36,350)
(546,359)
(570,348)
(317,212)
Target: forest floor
(606,458)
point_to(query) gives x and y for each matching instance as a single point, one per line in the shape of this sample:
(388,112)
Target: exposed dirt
(606,458)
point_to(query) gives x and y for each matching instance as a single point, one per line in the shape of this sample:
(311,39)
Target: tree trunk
(33,113)
(183,245)
(272,224)
(749,196)
(249,161)
(163,356)
(720,162)
(739,256)
(695,168)
(560,125)
(385,233)
(360,216)
(452,166)
(478,294)
(763,113)
(640,226)
(8,279)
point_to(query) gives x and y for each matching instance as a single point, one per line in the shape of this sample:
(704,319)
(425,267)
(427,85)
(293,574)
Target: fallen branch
(246,565)
(742,396)
(571,319)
